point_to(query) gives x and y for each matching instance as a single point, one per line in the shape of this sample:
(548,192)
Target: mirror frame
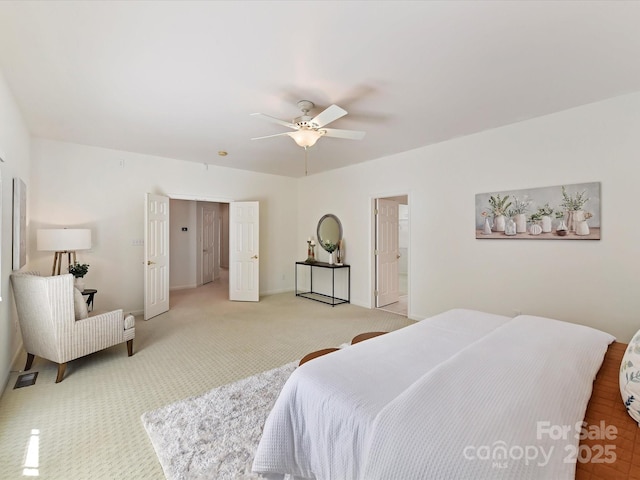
(324,217)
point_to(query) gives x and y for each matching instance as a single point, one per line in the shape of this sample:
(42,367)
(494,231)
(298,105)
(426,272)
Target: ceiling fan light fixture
(306,137)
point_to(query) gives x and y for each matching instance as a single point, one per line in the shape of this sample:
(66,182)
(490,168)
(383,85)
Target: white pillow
(79,305)
(630,378)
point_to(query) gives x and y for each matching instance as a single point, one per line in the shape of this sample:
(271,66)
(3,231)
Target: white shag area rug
(215,435)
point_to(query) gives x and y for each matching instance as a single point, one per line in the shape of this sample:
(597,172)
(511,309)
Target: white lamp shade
(64,239)
(306,137)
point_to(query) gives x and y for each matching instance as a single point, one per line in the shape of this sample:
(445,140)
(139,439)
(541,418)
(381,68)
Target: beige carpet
(88,426)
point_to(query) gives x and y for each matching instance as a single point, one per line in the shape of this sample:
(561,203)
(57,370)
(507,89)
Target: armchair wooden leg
(30,357)
(130,347)
(61,369)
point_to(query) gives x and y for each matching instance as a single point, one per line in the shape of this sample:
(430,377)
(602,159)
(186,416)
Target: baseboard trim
(13,366)
(183,287)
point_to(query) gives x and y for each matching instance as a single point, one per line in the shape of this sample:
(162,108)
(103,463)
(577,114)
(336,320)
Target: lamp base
(57,261)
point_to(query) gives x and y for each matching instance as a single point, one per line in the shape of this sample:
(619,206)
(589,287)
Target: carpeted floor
(88,426)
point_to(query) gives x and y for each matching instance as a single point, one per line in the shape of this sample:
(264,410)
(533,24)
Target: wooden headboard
(606,406)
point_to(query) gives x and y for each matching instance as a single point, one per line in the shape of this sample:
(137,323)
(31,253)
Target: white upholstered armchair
(48,322)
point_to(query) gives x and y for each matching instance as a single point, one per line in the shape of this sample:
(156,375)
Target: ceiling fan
(307,129)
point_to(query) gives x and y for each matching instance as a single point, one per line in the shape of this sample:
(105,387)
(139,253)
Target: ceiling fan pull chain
(305,161)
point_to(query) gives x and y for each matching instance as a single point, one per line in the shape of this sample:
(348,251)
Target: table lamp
(61,241)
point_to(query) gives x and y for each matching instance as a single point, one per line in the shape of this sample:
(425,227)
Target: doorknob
(255,257)
(149,262)
(397,256)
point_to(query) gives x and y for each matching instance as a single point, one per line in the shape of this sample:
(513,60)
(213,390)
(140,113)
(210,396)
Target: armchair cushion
(79,305)
(129,321)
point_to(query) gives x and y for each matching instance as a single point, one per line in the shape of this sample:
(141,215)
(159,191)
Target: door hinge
(376,252)
(375,292)
(376,211)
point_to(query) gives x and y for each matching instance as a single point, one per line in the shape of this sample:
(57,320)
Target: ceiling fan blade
(348,134)
(275,120)
(328,115)
(269,136)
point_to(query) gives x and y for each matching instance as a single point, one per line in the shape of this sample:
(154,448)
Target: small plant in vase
(545,217)
(520,208)
(499,207)
(79,270)
(330,247)
(574,204)
(582,228)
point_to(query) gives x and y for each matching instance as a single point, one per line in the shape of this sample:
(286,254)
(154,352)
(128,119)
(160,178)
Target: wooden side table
(89,292)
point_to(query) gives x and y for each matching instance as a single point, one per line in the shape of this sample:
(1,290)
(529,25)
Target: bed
(463,394)
(606,408)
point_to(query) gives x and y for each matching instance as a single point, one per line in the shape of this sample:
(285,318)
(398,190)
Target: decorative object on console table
(311,256)
(330,247)
(61,241)
(340,253)
(79,270)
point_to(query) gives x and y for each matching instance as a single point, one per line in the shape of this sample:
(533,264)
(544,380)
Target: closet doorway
(391,254)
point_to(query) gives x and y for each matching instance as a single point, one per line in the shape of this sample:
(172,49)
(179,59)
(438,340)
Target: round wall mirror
(329,230)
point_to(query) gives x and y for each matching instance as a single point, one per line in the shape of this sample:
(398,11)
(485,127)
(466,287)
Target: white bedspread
(434,399)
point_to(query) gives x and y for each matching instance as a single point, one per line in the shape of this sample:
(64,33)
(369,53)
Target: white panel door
(156,258)
(388,252)
(208,238)
(244,242)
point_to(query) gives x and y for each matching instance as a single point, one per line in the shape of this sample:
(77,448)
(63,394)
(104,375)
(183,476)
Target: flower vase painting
(563,212)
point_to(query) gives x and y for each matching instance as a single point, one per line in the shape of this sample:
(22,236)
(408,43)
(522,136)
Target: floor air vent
(26,380)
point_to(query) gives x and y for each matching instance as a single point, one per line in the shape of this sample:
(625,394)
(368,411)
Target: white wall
(590,282)
(183,271)
(15,151)
(104,190)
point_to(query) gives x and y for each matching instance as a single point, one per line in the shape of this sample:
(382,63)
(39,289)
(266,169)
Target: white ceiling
(179,79)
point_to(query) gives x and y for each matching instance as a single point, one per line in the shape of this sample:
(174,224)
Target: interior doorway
(391,254)
(198,243)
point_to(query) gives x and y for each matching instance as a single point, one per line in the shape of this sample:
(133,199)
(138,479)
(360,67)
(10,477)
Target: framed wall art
(19,224)
(563,212)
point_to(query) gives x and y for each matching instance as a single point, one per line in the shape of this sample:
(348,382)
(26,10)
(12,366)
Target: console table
(321,297)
